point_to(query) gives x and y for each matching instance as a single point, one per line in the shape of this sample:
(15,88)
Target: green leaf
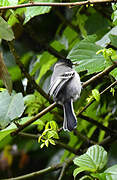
(108,174)
(79,170)
(86,177)
(47,142)
(113,39)
(35,11)
(40,124)
(105,40)
(11,107)
(13,2)
(84,53)
(81,19)
(52,141)
(8,2)
(96,94)
(46,61)
(5,132)
(114,17)
(53,125)
(42,145)
(13,18)
(112,170)
(53,134)
(93,160)
(6,32)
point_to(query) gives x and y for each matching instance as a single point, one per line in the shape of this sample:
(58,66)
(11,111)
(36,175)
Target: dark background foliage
(37,36)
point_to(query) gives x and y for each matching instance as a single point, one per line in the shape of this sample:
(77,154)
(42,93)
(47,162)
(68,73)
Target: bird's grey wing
(53,86)
(60,82)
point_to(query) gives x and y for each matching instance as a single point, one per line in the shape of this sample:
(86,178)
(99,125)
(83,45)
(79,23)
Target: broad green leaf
(105,40)
(93,160)
(98,155)
(85,161)
(84,53)
(108,174)
(112,170)
(37,10)
(96,94)
(113,39)
(11,107)
(6,32)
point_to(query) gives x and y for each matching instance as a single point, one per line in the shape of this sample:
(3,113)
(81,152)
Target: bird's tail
(70,121)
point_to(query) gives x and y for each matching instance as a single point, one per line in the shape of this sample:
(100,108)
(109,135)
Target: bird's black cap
(67,62)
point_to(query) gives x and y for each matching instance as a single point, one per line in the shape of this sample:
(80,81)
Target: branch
(42,172)
(62,171)
(54,105)
(84,138)
(93,121)
(27,75)
(99,125)
(109,140)
(57,4)
(43,112)
(100,75)
(65,146)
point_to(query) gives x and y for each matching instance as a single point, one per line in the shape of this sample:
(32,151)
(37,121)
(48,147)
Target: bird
(65,88)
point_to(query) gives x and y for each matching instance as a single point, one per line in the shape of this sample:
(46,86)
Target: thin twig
(50,108)
(108,140)
(43,171)
(43,112)
(108,130)
(62,171)
(100,75)
(67,147)
(84,138)
(56,4)
(99,125)
(63,145)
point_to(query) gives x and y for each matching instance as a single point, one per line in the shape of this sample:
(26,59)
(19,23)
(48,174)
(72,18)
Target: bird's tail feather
(70,121)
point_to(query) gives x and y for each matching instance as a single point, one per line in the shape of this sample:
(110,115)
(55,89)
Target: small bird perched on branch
(65,87)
